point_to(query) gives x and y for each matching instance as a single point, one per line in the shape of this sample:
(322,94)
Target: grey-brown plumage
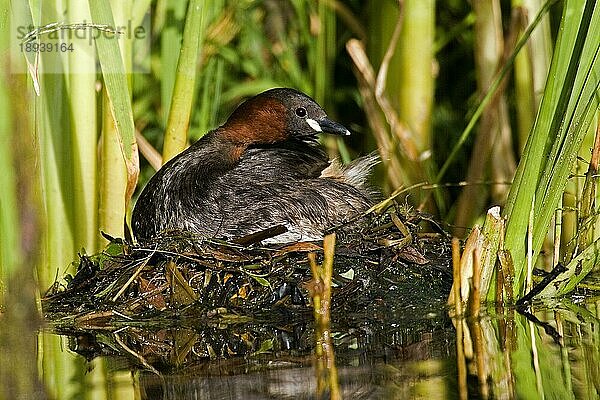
(262,168)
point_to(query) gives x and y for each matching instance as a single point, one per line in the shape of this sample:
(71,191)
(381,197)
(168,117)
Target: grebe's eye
(301,112)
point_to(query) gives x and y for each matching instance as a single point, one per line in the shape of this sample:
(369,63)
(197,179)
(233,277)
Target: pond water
(552,352)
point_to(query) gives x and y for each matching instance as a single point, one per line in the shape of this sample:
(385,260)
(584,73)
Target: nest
(243,295)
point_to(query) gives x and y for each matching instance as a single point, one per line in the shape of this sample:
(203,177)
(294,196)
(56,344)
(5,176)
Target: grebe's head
(278,115)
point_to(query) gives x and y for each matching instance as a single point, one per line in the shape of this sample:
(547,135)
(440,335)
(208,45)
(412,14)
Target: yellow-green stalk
(169,22)
(113,176)
(52,127)
(185,82)
(119,152)
(416,69)
(84,132)
(10,229)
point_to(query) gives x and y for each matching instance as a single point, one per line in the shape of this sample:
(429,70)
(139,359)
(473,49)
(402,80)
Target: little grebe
(262,168)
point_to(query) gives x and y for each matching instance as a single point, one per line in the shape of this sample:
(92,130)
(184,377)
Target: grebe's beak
(328,126)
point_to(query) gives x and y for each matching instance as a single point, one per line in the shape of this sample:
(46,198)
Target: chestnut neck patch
(261,120)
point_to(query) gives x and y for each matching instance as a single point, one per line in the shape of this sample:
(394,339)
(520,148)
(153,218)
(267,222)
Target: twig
(474,298)
(148,151)
(540,286)
(389,53)
(132,278)
(456,283)
(138,356)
